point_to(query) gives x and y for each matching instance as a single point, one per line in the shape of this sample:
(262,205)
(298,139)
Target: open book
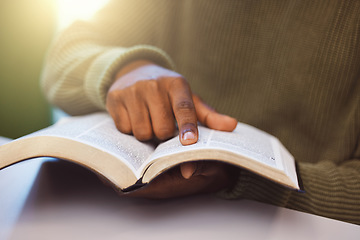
(94,142)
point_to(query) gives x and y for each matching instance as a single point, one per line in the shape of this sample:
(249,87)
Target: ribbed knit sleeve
(330,190)
(80,83)
(83,61)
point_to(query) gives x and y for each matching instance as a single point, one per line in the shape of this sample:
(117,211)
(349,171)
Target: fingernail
(188,135)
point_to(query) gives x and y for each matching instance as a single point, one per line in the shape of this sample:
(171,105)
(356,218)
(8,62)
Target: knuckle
(153,83)
(174,82)
(120,124)
(141,88)
(165,132)
(145,82)
(179,81)
(133,90)
(116,98)
(185,105)
(142,129)
(143,134)
(112,95)
(124,128)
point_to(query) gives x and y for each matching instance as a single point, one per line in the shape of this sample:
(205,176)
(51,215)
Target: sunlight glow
(71,10)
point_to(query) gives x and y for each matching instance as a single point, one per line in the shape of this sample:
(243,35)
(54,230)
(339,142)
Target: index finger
(184,110)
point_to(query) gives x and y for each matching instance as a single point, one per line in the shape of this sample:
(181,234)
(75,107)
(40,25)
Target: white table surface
(59,200)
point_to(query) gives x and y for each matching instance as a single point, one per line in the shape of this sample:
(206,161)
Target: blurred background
(26,30)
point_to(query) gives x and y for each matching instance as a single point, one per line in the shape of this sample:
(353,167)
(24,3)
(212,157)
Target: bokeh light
(71,10)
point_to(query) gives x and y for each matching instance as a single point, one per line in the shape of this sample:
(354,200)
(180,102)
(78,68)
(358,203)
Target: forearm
(77,76)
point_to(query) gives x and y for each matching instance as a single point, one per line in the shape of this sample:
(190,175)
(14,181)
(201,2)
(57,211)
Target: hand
(188,179)
(146,99)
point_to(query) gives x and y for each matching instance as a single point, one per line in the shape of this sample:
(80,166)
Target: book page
(244,140)
(98,130)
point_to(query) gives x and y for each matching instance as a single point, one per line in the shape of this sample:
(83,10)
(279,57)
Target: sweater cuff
(101,72)
(252,186)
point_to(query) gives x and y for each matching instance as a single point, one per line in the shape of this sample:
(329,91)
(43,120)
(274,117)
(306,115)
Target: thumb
(212,119)
(187,169)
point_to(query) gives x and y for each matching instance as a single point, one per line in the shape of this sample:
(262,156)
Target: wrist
(132,66)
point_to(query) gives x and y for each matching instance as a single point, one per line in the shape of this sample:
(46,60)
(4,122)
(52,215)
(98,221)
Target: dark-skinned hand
(147,100)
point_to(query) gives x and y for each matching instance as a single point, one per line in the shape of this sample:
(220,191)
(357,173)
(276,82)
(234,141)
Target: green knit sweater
(291,68)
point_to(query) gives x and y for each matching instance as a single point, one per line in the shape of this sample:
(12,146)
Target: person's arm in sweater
(331,190)
(136,85)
